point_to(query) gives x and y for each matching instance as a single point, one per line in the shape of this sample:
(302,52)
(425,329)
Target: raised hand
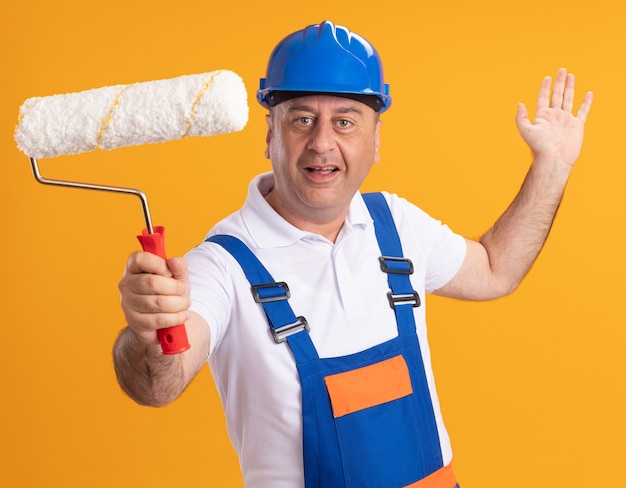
(555,133)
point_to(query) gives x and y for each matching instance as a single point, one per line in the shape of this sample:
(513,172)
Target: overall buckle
(280,334)
(406,299)
(270,292)
(393,265)
(399,266)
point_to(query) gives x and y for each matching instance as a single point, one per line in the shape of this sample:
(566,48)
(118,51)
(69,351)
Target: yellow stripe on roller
(107,120)
(203,90)
(31,103)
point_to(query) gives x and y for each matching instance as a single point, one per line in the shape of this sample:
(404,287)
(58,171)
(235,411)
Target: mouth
(323,170)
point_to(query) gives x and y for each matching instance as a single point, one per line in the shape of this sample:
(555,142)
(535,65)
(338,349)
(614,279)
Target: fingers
(583,111)
(521,119)
(543,99)
(178,267)
(154,296)
(148,293)
(558,91)
(568,94)
(562,93)
(145,262)
(562,96)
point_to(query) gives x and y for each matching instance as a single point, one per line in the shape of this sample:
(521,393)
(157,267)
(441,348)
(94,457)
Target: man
(341,394)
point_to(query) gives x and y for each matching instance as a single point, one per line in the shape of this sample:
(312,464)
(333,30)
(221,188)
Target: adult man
(342,395)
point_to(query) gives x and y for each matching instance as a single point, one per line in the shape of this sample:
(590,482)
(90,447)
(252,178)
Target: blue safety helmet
(325,58)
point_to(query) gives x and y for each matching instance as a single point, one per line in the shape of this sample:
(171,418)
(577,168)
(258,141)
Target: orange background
(532,386)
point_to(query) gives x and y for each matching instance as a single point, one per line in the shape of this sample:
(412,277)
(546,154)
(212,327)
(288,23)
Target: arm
(155,294)
(496,265)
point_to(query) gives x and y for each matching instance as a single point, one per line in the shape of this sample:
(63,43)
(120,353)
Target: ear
(377,141)
(268,135)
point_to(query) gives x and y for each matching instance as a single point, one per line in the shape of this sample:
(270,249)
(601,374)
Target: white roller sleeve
(128,115)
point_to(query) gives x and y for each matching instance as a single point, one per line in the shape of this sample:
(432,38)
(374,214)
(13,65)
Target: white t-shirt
(340,290)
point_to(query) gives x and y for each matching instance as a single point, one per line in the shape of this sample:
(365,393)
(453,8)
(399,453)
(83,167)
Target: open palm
(556,132)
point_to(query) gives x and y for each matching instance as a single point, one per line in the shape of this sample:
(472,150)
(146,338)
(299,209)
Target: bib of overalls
(368,418)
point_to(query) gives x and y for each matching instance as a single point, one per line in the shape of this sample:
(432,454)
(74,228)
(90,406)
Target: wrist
(550,164)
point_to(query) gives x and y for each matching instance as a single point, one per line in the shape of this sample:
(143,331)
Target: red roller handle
(173,339)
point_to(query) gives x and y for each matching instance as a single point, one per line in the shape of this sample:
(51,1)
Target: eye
(305,120)
(344,124)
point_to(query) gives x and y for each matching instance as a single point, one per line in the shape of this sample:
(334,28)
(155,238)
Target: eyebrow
(309,108)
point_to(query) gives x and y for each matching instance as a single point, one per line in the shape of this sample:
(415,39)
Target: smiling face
(322,148)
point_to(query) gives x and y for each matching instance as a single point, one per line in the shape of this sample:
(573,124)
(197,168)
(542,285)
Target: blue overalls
(368,419)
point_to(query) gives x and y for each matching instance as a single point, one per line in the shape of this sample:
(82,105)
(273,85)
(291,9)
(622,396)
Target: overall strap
(272,296)
(402,297)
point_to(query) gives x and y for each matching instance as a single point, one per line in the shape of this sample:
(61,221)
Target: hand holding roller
(128,115)
(173,339)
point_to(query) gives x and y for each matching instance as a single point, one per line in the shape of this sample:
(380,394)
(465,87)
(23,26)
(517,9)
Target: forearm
(517,237)
(555,137)
(496,265)
(144,373)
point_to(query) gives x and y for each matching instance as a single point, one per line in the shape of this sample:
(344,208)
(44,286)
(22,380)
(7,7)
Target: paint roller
(117,116)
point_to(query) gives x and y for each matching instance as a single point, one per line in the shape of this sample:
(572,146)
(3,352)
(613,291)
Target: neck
(326,223)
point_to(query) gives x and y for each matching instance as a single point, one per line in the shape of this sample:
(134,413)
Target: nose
(322,137)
